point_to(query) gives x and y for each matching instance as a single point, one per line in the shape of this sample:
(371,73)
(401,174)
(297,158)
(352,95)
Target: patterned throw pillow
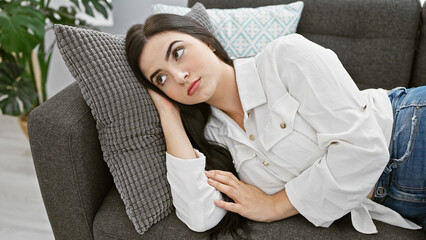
(127,122)
(197,12)
(244,32)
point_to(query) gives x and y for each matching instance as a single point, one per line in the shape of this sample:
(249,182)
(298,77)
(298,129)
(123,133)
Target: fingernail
(208,173)
(209,181)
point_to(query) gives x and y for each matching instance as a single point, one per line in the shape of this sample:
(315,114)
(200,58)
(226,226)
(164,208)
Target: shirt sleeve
(356,148)
(192,196)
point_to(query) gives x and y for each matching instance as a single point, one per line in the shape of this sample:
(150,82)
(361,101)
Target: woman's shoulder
(293,45)
(293,38)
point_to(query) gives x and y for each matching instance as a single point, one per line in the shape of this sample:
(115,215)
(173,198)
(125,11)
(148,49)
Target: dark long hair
(194,117)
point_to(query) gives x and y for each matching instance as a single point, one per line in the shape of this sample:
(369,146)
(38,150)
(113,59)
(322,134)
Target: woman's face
(183,67)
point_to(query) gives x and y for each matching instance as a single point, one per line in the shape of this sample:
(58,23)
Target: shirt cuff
(297,201)
(193,164)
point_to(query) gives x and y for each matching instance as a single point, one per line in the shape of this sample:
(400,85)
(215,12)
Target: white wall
(125,14)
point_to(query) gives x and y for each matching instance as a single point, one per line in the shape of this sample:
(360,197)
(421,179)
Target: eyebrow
(169,49)
(152,75)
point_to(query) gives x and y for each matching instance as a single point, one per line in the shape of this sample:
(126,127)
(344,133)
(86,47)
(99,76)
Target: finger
(223,177)
(225,173)
(229,206)
(224,188)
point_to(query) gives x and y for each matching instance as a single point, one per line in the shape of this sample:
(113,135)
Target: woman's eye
(161,79)
(178,53)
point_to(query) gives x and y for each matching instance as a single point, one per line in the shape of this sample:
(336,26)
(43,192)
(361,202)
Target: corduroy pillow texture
(127,122)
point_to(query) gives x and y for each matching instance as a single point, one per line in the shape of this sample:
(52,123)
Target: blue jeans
(402,185)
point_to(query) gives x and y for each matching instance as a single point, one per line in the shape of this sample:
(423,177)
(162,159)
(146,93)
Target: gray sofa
(382,43)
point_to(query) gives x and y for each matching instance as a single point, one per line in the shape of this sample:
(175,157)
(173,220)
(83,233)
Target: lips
(193,87)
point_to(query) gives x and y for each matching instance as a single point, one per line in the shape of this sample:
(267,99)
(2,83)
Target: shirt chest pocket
(291,146)
(280,121)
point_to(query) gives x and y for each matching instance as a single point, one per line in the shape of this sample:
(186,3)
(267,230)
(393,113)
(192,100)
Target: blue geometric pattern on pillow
(244,32)
(162,8)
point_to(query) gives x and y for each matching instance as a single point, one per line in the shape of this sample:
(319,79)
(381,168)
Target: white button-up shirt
(308,129)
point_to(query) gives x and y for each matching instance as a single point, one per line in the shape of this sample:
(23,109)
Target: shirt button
(233,162)
(265,163)
(364,107)
(283,125)
(251,137)
(248,114)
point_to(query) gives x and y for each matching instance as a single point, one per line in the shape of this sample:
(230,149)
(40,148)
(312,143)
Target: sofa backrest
(419,71)
(374,39)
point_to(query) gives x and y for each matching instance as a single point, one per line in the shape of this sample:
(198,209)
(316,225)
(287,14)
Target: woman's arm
(192,196)
(177,142)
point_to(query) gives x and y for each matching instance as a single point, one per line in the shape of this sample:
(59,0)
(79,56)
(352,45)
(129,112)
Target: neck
(226,97)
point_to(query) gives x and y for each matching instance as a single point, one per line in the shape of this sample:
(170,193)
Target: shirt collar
(250,90)
(249,85)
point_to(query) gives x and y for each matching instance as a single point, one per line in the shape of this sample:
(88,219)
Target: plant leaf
(76,3)
(108,4)
(100,9)
(26,93)
(62,15)
(22,28)
(16,88)
(88,8)
(6,56)
(9,72)
(10,106)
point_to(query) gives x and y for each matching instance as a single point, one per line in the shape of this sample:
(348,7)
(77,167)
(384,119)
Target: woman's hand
(163,105)
(177,142)
(250,201)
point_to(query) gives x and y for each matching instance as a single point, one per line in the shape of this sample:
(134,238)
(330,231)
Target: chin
(194,102)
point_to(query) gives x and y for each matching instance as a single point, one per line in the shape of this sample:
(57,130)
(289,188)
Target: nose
(180,76)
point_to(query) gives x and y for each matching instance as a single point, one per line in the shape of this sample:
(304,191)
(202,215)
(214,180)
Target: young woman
(282,133)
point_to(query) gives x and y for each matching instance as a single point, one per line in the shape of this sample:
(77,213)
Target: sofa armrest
(72,175)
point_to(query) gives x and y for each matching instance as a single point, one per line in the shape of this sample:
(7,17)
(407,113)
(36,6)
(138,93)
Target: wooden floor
(22,213)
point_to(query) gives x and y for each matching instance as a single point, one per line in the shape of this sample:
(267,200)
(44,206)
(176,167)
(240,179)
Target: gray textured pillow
(127,122)
(199,13)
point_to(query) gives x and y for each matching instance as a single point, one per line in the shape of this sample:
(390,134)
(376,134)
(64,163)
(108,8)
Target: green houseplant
(25,55)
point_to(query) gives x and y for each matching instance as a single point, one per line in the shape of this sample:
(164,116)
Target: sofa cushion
(127,122)
(374,39)
(419,71)
(244,32)
(111,223)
